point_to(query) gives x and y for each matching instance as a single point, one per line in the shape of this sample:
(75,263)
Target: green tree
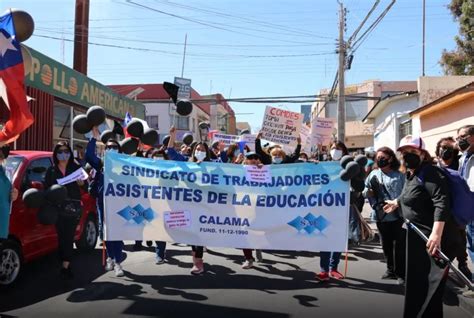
(460,61)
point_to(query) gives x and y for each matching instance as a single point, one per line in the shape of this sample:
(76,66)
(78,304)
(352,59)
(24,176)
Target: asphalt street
(283,285)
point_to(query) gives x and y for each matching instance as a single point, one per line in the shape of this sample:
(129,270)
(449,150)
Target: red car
(28,239)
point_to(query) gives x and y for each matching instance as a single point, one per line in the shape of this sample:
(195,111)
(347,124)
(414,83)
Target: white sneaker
(118,270)
(247,264)
(159,260)
(109,265)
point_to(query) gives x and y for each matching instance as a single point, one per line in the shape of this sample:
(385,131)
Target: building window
(405,129)
(152,121)
(180,122)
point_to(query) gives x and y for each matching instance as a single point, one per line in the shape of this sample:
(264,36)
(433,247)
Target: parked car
(28,239)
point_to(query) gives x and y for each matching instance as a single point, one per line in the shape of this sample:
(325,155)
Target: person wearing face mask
(386,183)
(63,166)
(424,201)
(279,158)
(465,142)
(8,194)
(330,260)
(114,248)
(200,153)
(303,157)
(447,153)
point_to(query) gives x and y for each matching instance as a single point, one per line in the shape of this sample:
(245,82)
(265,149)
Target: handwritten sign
(79,174)
(281,126)
(177,219)
(258,174)
(321,130)
(226,139)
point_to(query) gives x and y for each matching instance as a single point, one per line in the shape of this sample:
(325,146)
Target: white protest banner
(305,139)
(281,126)
(226,139)
(305,207)
(79,174)
(258,174)
(322,130)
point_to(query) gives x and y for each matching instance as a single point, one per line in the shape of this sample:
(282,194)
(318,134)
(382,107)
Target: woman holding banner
(199,153)
(276,154)
(114,248)
(330,260)
(7,195)
(66,224)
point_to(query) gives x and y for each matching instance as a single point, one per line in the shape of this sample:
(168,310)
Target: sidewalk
(455,286)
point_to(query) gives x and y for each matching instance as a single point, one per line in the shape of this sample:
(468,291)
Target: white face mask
(336,154)
(303,159)
(200,155)
(277,160)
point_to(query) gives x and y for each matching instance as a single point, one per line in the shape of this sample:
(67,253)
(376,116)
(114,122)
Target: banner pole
(345,265)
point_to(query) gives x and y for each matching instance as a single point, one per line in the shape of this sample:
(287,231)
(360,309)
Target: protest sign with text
(322,130)
(281,126)
(304,207)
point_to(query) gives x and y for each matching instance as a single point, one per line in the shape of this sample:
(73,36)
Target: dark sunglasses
(112,147)
(61,151)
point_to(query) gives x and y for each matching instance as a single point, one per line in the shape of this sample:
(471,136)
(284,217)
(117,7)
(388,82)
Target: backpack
(461,197)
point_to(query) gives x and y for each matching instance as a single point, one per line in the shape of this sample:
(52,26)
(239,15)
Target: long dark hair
(449,139)
(56,149)
(395,164)
(208,158)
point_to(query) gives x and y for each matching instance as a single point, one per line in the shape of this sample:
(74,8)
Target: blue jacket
(98,184)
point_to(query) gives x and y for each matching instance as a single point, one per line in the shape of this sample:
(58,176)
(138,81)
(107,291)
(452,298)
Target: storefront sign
(61,81)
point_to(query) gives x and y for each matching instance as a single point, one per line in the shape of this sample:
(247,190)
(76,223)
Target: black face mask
(463,144)
(447,153)
(5,151)
(412,161)
(382,163)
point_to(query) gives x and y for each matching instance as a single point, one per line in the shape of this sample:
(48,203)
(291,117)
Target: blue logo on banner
(309,223)
(138,214)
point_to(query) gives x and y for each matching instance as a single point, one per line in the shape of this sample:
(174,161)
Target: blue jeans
(329,261)
(160,249)
(114,250)
(470,237)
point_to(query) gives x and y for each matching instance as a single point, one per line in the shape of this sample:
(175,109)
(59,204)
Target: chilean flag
(12,88)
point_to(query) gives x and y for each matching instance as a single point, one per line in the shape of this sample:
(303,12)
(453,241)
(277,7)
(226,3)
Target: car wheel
(89,235)
(10,262)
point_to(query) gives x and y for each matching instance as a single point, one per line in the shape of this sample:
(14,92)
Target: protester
(158,154)
(276,154)
(424,201)
(330,260)
(447,153)
(114,248)
(303,157)
(386,183)
(234,155)
(200,153)
(465,141)
(7,195)
(63,166)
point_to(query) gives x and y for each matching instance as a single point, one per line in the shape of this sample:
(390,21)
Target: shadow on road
(40,279)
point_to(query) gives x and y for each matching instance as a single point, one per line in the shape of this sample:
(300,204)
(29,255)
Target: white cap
(412,141)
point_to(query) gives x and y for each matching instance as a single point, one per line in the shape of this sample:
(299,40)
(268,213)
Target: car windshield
(11,165)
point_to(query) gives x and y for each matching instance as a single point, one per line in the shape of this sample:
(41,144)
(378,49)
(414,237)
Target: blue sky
(243,48)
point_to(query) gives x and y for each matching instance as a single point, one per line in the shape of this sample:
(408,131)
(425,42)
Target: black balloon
(345,160)
(344,175)
(129,145)
(166,139)
(95,115)
(135,128)
(81,125)
(188,139)
(33,198)
(56,194)
(357,184)
(150,137)
(353,169)
(184,107)
(361,160)
(106,135)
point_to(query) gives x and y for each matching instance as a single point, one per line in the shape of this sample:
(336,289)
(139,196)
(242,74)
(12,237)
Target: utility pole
(184,54)
(423,46)
(341,107)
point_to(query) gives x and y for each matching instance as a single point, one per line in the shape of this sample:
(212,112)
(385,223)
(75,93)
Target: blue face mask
(63,156)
